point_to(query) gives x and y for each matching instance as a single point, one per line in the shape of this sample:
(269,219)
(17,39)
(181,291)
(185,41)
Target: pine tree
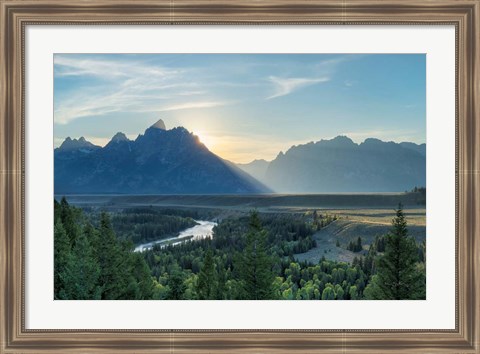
(113,263)
(207,279)
(82,273)
(256,265)
(316,218)
(328,293)
(222,276)
(69,217)
(93,237)
(56,211)
(339,292)
(398,277)
(176,284)
(61,254)
(353,292)
(367,262)
(358,246)
(141,282)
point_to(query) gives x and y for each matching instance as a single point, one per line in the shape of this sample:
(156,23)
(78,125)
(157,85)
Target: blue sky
(242,106)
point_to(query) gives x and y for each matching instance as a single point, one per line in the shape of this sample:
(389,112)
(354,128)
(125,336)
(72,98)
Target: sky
(242,106)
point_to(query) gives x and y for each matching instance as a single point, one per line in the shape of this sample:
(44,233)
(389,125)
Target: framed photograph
(225,176)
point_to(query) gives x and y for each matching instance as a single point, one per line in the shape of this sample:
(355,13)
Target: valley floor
(352,224)
(262,202)
(367,216)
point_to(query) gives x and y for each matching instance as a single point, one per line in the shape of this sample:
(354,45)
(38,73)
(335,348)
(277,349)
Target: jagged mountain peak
(159,125)
(339,141)
(118,141)
(119,137)
(74,144)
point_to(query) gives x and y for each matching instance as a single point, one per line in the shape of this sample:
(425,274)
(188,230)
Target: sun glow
(205,139)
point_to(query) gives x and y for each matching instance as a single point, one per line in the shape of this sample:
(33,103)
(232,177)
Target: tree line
(142,225)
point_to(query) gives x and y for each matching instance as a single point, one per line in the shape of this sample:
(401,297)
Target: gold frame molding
(15,15)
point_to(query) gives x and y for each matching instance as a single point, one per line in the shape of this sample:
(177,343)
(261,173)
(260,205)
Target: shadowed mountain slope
(160,161)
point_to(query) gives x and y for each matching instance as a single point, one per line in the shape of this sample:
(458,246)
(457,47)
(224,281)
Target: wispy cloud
(190,105)
(106,84)
(127,86)
(285,86)
(76,66)
(322,71)
(330,65)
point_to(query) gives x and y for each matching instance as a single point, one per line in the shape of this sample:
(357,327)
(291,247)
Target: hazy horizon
(242,106)
(133,137)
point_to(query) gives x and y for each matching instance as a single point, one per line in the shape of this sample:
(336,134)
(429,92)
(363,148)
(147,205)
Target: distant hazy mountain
(340,165)
(421,148)
(256,168)
(158,162)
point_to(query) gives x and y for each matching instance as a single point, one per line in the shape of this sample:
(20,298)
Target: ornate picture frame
(17,14)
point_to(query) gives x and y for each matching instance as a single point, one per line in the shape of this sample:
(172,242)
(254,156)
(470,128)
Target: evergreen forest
(250,256)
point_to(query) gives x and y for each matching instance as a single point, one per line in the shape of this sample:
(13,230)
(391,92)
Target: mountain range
(160,161)
(175,161)
(339,165)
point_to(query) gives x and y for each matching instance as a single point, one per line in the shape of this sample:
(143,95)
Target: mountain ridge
(160,161)
(341,165)
(175,161)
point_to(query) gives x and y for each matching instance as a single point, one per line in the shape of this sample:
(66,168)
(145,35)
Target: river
(202,230)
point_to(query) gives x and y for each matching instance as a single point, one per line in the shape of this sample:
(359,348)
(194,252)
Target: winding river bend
(202,230)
